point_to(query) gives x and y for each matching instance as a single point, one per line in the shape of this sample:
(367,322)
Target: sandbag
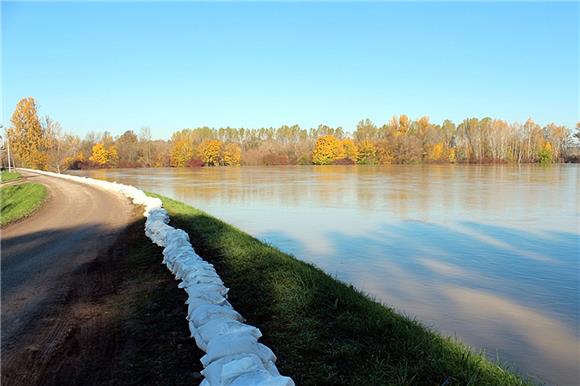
(213,328)
(204,313)
(225,370)
(226,345)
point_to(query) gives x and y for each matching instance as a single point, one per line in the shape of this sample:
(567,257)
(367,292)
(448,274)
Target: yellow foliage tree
(232,154)
(181,152)
(27,139)
(328,148)
(451,155)
(366,153)
(350,149)
(103,156)
(435,152)
(113,156)
(210,152)
(383,154)
(100,155)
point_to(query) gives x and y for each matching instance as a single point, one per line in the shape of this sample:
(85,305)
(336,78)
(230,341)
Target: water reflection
(486,253)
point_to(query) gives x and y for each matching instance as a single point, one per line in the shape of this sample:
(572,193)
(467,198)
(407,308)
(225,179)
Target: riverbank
(323,331)
(20,201)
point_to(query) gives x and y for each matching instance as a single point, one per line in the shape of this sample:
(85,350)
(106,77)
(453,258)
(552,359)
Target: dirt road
(40,254)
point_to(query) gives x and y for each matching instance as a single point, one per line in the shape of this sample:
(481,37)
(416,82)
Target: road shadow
(119,319)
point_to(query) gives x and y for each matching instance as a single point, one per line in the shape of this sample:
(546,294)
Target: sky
(119,66)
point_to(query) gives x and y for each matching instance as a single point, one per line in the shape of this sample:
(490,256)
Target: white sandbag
(213,328)
(207,288)
(204,313)
(194,303)
(225,370)
(205,296)
(226,345)
(202,278)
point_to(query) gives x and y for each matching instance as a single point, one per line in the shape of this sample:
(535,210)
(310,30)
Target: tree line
(42,143)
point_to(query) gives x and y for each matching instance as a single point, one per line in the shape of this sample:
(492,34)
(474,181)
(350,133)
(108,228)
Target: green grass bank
(6,176)
(19,201)
(323,331)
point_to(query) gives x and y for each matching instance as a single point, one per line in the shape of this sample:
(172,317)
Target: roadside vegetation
(19,201)
(41,143)
(6,176)
(325,332)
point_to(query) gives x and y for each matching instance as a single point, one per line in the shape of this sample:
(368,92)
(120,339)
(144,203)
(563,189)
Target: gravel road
(40,253)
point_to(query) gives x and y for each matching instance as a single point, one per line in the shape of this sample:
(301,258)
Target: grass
(323,331)
(19,201)
(6,176)
(153,341)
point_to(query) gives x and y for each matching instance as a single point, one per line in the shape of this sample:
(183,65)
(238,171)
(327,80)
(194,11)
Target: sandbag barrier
(234,357)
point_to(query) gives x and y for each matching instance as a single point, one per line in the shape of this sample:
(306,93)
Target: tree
(210,152)
(328,148)
(26,136)
(145,145)
(366,153)
(127,145)
(100,155)
(546,153)
(350,149)
(384,153)
(181,152)
(60,147)
(103,156)
(365,131)
(435,152)
(232,154)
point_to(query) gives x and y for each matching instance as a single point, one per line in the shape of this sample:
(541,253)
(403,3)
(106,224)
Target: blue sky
(118,66)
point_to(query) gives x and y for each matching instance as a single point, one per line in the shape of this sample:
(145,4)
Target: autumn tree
(232,154)
(99,155)
(210,152)
(365,131)
(27,140)
(60,147)
(181,152)
(327,149)
(103,156)
(366,154)
(435,152)
(350,149)
(546,153)
(128,147)
(384,153)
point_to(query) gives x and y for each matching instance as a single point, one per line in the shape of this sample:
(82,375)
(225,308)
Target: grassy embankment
(6,176)
(19,201)
(325,332)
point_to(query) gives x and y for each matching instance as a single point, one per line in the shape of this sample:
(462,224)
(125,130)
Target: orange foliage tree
(181,152)
(232,154)
(327,149)
(210,152)
(103,156)
(350,149)
(435,152)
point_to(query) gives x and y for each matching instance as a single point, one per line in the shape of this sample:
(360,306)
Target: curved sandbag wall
(233,354)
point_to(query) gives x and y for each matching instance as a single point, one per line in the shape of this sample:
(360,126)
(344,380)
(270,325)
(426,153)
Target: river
(488,254)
